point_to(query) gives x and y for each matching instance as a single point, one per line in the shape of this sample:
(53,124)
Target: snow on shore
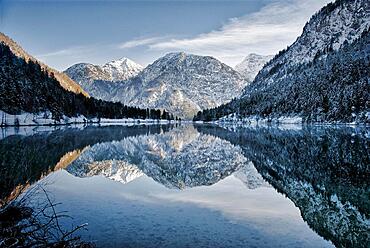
(45,119)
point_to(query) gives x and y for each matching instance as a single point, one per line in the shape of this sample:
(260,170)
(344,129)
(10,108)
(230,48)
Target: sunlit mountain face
(220,185)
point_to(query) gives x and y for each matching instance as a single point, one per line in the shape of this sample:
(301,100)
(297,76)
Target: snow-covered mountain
(116,170)
(92,78)
(340,22)
(85,73)
(318,72)
(251,65)
(180,83)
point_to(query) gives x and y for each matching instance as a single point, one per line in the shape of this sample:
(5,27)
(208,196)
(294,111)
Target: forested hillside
(27,87)
(62,78)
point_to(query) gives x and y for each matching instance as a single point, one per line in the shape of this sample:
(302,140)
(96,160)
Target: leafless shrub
(36,223)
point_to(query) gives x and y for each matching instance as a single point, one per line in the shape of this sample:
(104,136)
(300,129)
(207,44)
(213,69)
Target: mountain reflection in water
(323,171)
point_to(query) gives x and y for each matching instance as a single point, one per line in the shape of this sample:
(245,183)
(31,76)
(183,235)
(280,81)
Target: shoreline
(118,122)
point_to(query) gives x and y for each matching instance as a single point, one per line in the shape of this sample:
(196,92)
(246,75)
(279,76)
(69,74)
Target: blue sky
(62,33)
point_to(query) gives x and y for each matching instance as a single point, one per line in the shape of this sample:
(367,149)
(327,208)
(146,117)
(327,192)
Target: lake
(196,185)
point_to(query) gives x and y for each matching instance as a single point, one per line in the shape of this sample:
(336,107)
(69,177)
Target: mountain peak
(182,59)
(122,61)
(122,69)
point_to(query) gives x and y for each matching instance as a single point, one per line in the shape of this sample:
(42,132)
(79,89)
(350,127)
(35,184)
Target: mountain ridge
(116,70)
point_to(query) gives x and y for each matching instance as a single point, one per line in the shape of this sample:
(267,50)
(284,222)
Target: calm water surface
(198,186)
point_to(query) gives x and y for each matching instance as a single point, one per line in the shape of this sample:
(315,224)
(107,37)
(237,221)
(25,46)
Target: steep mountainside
(66,82)
(251,65)
(85,73)
(337,23)
(323,76)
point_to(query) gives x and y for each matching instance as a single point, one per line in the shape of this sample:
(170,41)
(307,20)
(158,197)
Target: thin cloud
(73,51)
(142,42)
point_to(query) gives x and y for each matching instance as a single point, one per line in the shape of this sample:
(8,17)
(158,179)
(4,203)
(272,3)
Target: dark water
(199,186)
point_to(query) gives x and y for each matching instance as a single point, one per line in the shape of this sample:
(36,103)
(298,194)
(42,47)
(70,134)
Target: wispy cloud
(63,58)
(71,51)
(266,32)
(142,42)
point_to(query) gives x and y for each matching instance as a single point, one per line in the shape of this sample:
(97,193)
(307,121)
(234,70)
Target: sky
(64,32)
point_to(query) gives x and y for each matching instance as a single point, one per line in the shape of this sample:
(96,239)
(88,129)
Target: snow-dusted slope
(340,22)
(92,78)
(251,65)
(85,72)
(182,84)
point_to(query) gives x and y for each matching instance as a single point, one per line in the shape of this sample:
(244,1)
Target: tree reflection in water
(323,170)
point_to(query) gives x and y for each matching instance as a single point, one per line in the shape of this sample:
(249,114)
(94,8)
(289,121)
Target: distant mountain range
(322,77)
(180,83)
